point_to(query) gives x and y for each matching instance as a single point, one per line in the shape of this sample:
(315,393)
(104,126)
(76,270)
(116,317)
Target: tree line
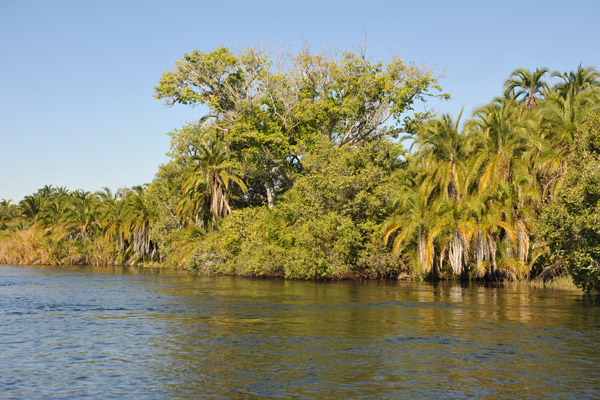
(316,166)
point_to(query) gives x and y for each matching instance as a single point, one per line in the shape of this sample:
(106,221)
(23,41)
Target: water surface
(129,333)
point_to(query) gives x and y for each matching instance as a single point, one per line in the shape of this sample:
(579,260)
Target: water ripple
(130,334)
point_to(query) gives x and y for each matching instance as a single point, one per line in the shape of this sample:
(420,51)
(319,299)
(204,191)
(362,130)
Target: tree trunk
(270,193)
(522,241)
(480,253)
(141,242)
(121,243)
(457,253)
(452,190)
(436,270)
(422,249)
(492,248)
(485,250)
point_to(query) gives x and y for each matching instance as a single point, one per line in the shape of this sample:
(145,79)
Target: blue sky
(77,77)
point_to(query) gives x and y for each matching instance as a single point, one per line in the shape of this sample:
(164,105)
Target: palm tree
(7,212)
(111,214)
(46,192)
(52,213)
(499,139)
(527,85)
(568,108)
(581,80)
(518,201)
(30,207)
(505,146)
(138,220)
(443,149)
(193,207)
(81,219)
(483,227)
(415,217)
(206,186)
(456,221)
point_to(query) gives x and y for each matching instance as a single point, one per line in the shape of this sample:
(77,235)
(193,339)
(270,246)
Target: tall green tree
(138,221)
(269,118)
(499,140)
(528,86)
(207,182)
(111,209)
(578,81)
(82,218)
(443,151)
(415,222)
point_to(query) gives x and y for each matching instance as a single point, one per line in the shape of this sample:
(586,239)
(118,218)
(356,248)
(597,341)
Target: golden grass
(564,282)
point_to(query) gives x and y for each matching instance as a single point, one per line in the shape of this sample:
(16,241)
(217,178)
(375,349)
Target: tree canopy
(269,116)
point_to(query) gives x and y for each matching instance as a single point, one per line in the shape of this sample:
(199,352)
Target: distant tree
(528,86)
(577,81)
(137,222)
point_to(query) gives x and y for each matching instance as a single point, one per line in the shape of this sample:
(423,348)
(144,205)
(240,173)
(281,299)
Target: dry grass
(20,248)
(31,247)
(564,282)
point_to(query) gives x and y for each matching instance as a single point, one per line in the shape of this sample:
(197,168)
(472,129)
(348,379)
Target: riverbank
(26,254)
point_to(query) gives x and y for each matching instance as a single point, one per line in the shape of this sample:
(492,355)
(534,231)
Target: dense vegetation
(296,169)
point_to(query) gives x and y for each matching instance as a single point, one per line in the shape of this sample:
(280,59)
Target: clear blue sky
(77,77)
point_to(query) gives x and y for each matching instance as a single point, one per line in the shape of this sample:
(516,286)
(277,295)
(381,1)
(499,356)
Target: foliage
(571,222)
(268,119)
(476,194)
(296,170)
(323,225)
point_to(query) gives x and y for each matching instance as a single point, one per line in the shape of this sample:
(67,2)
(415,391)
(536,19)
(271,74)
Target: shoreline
(560,282)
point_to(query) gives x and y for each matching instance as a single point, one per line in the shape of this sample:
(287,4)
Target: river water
(128,333)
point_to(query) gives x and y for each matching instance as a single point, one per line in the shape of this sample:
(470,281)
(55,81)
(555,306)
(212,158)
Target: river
(151,334)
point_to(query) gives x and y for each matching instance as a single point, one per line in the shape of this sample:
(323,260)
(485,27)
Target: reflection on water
(128,333)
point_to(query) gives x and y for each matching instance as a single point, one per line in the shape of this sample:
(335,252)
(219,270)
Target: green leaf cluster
(571,222)
(326,226)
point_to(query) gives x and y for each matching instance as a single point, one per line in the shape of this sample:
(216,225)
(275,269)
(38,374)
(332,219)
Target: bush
(571,222)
